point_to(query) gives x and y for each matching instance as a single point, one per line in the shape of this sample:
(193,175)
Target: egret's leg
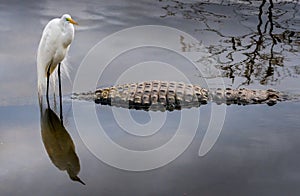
(54,99)
(60,94)
(47,91)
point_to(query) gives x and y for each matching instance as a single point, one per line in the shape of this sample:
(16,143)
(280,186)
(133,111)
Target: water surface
(256,45)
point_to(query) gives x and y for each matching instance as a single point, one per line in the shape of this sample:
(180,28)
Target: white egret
(54,45)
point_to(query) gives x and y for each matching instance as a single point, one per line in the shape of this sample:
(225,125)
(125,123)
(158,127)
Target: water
(256,45)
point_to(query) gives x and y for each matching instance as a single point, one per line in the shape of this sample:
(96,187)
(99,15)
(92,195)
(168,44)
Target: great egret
(54,45)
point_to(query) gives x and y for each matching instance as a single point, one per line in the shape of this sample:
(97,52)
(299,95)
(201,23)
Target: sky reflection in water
(257,46)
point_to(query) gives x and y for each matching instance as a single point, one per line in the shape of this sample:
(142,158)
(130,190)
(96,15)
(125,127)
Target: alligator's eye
(104,94)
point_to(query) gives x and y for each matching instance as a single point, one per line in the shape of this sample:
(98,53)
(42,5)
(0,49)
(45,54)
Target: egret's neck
(68,34)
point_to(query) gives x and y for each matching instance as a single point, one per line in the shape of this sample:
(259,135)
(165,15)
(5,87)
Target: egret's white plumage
(54,45)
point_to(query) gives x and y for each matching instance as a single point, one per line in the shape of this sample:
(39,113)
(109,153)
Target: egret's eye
(67,19)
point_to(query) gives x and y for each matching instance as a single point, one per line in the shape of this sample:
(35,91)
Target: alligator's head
(273,97)
(102,95)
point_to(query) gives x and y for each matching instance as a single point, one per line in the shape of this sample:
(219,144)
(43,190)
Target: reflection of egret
(59,144)
(54,45)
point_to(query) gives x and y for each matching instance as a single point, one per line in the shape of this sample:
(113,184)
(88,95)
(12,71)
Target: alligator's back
(163,95)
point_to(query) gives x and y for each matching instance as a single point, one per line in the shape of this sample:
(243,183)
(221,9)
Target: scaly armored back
(163,95)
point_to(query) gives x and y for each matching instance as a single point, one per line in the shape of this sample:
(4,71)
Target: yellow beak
(72,21)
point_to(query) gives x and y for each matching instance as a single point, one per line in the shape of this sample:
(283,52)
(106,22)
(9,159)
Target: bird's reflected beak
(73,21)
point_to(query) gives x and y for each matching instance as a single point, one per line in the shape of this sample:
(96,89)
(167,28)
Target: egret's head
(67,18)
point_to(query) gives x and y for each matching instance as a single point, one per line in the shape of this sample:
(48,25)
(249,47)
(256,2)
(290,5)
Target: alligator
(168,95)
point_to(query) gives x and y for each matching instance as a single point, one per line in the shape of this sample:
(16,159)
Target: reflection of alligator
(161,95)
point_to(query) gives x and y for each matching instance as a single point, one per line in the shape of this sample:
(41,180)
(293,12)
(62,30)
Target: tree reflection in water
(266,53)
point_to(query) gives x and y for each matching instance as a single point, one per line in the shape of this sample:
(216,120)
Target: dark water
(256,45)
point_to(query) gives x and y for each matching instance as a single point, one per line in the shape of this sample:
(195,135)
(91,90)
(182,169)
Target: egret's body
(53,48)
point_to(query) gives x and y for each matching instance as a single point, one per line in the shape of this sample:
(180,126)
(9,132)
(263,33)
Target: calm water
(256,45)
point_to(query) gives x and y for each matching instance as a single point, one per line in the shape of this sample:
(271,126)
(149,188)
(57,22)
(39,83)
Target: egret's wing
(48,44)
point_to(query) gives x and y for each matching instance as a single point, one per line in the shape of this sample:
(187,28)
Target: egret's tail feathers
(66,69)
(42,83)
(42,79)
